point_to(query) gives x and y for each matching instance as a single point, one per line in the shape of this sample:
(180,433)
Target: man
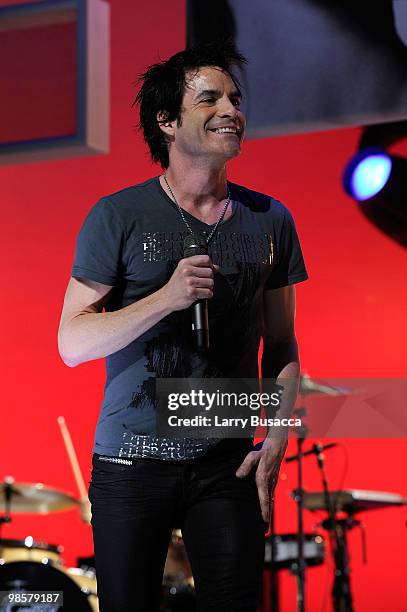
(129,260)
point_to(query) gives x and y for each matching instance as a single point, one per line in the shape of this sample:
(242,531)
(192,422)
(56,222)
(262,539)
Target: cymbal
(311,387)
(353,500)
(34,497)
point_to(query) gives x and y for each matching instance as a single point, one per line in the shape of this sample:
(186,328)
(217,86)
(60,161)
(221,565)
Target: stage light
(367,174)
(377,180)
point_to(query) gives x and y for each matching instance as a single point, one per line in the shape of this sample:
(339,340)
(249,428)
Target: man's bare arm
(280,361)
(280,351)
(86,333)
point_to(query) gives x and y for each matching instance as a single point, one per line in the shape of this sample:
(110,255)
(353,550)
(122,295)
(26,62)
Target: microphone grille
(195,244)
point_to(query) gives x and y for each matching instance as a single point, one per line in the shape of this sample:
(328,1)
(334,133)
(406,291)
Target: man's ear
(166,126)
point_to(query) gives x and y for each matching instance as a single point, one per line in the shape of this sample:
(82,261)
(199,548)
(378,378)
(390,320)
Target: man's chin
(234,153)
(231,152)
(223,155)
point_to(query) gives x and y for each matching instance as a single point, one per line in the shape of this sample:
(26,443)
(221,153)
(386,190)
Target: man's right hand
(192,280)
(85,333)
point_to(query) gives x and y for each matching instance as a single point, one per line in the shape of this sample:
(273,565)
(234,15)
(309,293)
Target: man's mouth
(225,130)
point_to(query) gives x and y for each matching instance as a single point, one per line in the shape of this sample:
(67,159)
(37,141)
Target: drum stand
(8,492)
(310,387)
(341,591)
(274,583)
(298,496)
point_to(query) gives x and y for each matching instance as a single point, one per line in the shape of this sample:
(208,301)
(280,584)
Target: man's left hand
(268,460)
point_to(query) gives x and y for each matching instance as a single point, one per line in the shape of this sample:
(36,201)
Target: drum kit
(341,508)
(282,551)
(28,565)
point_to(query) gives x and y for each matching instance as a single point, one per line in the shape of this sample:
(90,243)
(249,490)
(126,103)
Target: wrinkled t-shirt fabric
(133,240)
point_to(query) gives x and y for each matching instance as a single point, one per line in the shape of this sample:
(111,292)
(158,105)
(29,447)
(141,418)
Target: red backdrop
(349,314)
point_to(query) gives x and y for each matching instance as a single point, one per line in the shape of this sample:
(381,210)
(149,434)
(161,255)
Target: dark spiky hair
(163,87)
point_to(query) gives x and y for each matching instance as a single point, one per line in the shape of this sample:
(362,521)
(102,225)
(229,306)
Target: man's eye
(209,100)
(236,102)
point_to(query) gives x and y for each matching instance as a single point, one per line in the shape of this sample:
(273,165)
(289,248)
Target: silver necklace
(211,235)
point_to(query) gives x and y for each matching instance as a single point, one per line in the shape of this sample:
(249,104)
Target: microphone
(315,450)
(195,244)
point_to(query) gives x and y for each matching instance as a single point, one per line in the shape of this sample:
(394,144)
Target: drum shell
(86,580)
(19,550)
(33,576)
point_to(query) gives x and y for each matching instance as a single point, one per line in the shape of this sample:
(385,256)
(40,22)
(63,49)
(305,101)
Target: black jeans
(134,509)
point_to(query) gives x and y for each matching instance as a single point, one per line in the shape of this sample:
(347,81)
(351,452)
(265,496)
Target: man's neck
(197,186)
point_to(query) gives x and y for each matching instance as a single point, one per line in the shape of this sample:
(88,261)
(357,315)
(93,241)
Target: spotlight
(377,180)
(367,174)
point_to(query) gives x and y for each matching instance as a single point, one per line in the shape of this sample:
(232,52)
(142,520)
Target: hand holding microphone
(192,283)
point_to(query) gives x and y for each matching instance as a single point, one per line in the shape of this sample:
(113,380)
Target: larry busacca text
(237,422)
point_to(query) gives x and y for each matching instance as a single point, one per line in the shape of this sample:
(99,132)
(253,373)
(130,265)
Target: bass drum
(86,580)
(21,576)
(30,550)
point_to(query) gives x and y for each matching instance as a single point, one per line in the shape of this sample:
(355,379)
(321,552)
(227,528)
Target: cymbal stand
(341,591)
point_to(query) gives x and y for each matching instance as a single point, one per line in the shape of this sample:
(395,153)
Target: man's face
(212,124)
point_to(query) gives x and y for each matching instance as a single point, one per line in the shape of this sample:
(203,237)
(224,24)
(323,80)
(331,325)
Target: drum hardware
(178,598)
(86,563)
(286,550)
(22,576)
(7,493)
(30,550)
(177,569)
(42,499)
(352,501)
(17,552)
(307,387)
(337,530)
(31,565)
(86,580)
(32,497)
(178,593)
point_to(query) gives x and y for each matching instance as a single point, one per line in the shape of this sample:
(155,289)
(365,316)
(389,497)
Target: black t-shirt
(133,240)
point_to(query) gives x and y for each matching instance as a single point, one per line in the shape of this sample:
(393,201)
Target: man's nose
(227,108)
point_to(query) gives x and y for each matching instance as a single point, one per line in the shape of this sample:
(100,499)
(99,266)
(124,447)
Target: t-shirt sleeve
(289,267)
(99,245)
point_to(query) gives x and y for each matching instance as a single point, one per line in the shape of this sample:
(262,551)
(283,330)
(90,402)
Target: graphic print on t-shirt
(243,260)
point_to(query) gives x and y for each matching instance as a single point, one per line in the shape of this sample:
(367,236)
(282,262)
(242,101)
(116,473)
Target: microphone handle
(196,244)
(200,325)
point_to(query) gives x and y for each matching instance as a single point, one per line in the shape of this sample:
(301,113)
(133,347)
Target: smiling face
(212,124)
